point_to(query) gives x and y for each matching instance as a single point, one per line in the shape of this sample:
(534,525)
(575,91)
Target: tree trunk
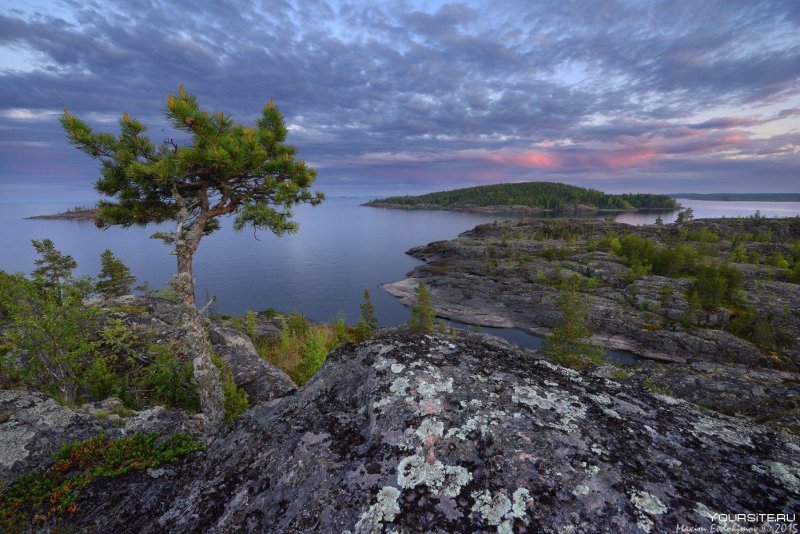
(206,376)
(184,281)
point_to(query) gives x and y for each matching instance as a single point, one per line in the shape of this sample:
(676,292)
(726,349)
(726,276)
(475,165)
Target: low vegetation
(302,347)
(76,353)
(44,497)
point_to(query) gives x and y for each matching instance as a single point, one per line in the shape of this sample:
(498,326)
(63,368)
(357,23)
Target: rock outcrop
(33,427)
(258,378)
(411,432)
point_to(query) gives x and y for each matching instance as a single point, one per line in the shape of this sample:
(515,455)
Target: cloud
(422,95)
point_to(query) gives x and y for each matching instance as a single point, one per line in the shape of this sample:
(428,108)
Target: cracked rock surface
(409,432)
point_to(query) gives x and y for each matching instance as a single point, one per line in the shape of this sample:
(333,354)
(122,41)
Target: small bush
(250,324)
(297,324)
(422,313)
(168,380)
(235,402)
(313,355)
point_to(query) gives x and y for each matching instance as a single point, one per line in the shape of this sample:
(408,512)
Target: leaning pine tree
(224,168)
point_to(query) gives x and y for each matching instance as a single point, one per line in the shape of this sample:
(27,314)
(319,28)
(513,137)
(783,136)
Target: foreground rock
(428,433)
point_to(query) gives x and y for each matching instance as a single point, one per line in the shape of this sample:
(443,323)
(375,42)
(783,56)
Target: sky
(411,96)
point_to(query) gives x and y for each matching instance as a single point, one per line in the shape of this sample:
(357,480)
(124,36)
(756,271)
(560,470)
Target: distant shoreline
(75,214)
(742,197)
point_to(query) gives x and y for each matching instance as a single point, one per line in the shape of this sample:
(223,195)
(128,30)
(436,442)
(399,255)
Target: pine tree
(367,322)
(226,168)
(685,216)
(422,313)
(52,266)
(115,277)
(568,344)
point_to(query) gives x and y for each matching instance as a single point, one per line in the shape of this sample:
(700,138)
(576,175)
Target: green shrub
(168,380)
(367,321)
(168,292)
(747,324)
(101,380)
(55,330)
(115,277)
(313,355)
(738,254)
(665,294)
(777,260)
(250,324)
(341,334)
(297,324)
(235,402)
(717,285)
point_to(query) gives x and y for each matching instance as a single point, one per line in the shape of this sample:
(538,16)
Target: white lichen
(480,422)
(581,490)
(718,430)
(397,368)
(384,510)
(13,443)
(430,428)
(786,475)
(647,503)
(430,389)
(400,386)
(415,471)
(567,407)
(492,508)
(498,510)
(455,478)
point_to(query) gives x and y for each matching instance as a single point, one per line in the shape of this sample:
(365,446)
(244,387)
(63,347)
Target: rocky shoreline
(506,275)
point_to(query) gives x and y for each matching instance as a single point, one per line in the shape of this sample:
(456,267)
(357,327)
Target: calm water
(341,249)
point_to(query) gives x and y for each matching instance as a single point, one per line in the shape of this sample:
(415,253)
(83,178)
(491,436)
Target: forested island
(528,197)
(742,197)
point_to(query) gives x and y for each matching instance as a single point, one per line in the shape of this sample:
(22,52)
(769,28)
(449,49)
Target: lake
(321,271)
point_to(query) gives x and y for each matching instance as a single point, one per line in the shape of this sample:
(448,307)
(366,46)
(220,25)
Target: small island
(528,198)
(78,213)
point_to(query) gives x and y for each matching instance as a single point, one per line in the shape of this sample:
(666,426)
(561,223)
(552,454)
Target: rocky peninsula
(508,275)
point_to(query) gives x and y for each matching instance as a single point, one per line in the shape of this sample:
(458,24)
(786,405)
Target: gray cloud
(634,95)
